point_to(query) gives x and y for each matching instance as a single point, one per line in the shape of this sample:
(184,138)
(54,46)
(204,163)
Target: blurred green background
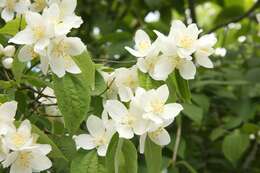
(221,128)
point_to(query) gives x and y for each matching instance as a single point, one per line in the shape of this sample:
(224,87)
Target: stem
(20,23)
(251,156)
(191,4)
(177,141)
(237,19)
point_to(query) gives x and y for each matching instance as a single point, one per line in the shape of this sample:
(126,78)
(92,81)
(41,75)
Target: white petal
(11,157)
(2,3)
(8,110)
(125,132)
(204,61)
(142,36)
(52,13)
(7,62)
(162,138)
(125,93)
(76,46)
(25,128)
(84,141)
(57,66)
(172,110)
(23,37)
(73,21)
(102,150)
(41,44)
(193,30)
(155,118)
(142,143)
(68,7)
(71,66)
(22,6)
(163,92)
(18,168)
(162,69)
(33,18)
(134,52)
(7,14)
(44,64)
(116,110)
(142,65)
(187,70)
(176,27)
(95,126)
(40,162)
(43,149)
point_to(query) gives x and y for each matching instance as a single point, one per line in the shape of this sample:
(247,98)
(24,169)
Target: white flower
(29,160)
(21,138)
(155,107)
(142,44)
(10,7)
(60,52)
(241,39)
(99,136)
(7,114)
(204,50)
(38,32)
(181,39)
(38,5)
(220,51)
(126,81)
(62,16)
(127,121)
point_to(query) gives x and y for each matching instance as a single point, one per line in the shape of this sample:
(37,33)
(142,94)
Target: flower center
(61,48)
(129,120)
(130,82)
(143,45)
(185,42)
(24,159)
(101,140)
(157,106)
(40,4)
(38,32)
(10,4)
(156,133)
(18,139)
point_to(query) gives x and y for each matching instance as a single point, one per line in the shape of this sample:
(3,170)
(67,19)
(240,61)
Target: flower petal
(204,61)
(160,137)
(71,66)
(40,162)
(187,70)
(95,126)
(7,14)
(116,110)
(8,110)
(172,110)
(76,46)
(102,150)
(84,141)
(23,37)
(57,66)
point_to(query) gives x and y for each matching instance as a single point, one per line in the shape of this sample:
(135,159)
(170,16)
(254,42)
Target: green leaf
(234,146)
(100,84)
(12,27)
(44,139)
(17,69)
(153,156)
(146,82)
(217,133)
(87,68)
(183,88)
(195,113)
(85,163)
(121,156)
(187,166)
(73,96)
(73,93)
(6,84)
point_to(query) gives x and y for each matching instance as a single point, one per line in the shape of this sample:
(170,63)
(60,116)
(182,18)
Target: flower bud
(7,62)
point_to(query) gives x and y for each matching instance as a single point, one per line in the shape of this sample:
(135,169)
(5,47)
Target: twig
(108,87)
(237,19)
(251,156)
(177,142)
(191,4)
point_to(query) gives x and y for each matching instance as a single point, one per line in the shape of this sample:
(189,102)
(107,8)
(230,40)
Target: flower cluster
(148,113)
(174,51)
(45,36)
(19,148)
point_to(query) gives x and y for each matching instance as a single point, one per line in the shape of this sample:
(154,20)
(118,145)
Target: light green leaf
(73,93)
(17,69)
(85,163)
(153,156)
(12,27)
(146,82)
(44,139)
(234,146)
(187,166)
